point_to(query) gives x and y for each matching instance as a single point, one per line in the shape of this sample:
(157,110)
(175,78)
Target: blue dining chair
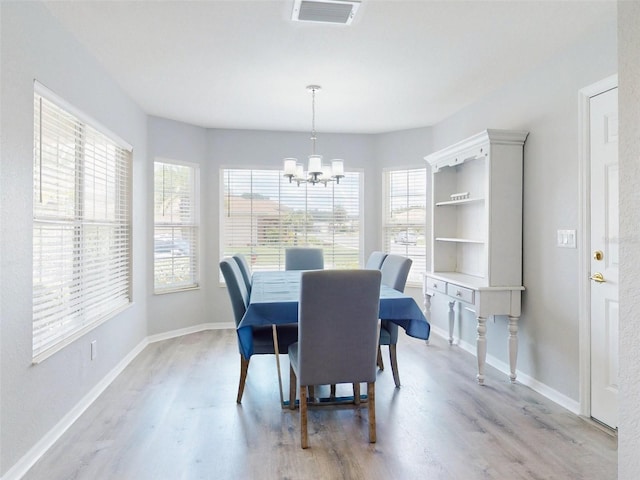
(262,336)
(395,270)
(374,262)
(337,337)
(244,269)
(303,258)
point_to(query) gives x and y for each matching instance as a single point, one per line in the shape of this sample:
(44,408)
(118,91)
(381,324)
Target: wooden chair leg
(244,366)
(292,388)
(356,393)
(304,441)
(379,361)
(371,398)
(312,392)
(394,364)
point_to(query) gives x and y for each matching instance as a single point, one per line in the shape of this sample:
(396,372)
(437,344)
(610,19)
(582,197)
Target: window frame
(283,183)
(194,247)
(89,170)
(388,226)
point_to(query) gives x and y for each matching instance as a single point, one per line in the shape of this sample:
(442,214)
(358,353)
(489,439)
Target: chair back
(236,287)
(338,326)
(395,270)
(244,269)
(304,258)
(375,260)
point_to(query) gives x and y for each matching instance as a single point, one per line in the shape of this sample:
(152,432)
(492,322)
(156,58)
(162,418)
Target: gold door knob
(597,277)
(598,255)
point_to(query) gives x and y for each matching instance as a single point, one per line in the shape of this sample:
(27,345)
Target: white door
(604,257)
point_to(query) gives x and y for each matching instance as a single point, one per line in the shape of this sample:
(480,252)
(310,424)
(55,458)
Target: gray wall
(404,149)
(213,149)
(545,103)
(34,398)
(171,140)
(629,120)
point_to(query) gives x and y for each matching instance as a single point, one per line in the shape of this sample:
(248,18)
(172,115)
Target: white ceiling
(245,64)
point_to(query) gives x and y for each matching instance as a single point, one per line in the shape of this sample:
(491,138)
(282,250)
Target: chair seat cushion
(263,338)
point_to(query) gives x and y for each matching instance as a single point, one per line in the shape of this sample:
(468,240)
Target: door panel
(604,261)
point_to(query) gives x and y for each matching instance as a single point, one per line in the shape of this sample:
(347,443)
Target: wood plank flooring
(172,415)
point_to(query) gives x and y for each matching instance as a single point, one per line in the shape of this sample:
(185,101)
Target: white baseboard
(186,331)
(20,468)
(543,389)
(23,465)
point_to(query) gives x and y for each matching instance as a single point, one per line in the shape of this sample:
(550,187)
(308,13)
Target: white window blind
(263,214)
(81,227)
(176,232)
(404,218)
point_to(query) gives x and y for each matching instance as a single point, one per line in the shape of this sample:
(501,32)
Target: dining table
(274,298)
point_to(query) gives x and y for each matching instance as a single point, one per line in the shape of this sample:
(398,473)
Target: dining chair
(262,336)
(395,270)
(245,269)
(374,262)
(303,258)
(337,337)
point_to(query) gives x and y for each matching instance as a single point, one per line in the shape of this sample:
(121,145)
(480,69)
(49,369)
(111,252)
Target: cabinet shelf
(464,201)
(458,240)
(480,235)
(476,243)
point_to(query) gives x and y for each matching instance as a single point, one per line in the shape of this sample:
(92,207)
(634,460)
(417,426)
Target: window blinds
(405,217)
(176,226)
(263,214)
(81,227)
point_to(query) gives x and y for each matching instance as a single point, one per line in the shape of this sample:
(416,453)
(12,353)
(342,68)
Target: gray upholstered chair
(374,262)
(395,270)
(262,336)
(245,269)
(303,258)
(337,337)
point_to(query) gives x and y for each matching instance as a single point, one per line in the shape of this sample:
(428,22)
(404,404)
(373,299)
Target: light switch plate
(567,238)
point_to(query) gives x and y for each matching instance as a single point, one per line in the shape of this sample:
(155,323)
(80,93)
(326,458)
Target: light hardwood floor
(172,415)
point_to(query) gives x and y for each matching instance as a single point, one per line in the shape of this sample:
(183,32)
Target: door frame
(584,234)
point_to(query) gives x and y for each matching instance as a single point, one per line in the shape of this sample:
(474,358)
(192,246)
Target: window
(263,214)
(176,220)
(404,217)
(81,225)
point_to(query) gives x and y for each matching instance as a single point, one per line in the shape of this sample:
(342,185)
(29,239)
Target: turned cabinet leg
(451,321)
(481,345)
(513,346)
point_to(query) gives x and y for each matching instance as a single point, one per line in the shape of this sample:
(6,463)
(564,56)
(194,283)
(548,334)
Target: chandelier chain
(318,173)
(313,121)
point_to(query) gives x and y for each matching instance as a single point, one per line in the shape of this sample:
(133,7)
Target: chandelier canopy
(316,172)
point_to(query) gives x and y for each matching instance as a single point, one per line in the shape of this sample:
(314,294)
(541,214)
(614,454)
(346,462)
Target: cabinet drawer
(437,285)
(461,293)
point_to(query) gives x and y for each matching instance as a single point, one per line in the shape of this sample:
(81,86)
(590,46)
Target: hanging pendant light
(317,172)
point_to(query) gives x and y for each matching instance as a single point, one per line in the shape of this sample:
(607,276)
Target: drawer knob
(458,293)
(435,285)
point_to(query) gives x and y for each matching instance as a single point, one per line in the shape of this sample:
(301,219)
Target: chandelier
(316,172)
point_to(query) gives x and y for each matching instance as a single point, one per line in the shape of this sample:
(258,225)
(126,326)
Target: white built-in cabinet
(476,244)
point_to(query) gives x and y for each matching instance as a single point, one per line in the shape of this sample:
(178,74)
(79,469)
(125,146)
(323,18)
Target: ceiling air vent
(328,11)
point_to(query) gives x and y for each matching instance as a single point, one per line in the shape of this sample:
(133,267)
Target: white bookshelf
(476,242)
